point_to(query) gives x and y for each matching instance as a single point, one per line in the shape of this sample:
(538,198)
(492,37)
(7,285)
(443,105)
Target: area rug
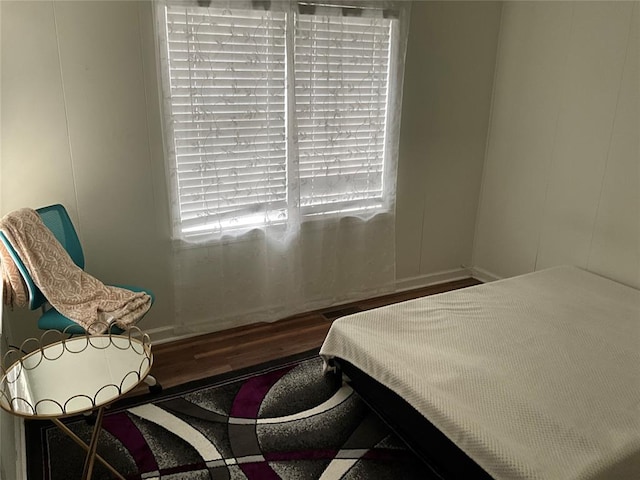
(276,421)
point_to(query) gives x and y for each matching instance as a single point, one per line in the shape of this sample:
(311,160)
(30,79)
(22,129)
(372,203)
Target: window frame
(295,211)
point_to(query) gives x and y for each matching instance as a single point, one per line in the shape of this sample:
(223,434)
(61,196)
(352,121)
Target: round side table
(72,376)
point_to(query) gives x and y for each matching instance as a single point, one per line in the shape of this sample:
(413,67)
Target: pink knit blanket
(69,289)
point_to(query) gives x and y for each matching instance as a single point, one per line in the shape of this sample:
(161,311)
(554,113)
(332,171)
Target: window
(275,114)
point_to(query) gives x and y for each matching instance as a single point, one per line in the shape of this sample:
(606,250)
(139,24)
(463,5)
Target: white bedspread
(534,377)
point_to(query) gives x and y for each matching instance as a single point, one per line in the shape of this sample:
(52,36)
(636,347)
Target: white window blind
(242,85)
(227,73)
(341,70)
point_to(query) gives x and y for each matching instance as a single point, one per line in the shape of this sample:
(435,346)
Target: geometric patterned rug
(277,421)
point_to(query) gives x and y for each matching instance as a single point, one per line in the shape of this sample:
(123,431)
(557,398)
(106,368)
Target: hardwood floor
(206,355)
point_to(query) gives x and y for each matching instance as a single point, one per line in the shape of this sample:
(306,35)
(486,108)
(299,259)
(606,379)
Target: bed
(532,377)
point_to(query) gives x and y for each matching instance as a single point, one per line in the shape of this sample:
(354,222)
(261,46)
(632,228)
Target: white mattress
(534,377)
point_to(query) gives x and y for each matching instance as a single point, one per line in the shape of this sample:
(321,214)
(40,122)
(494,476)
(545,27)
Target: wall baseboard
(164,334)
(167,334)
(200,327)
(172,334)
(484,275)
(429,279)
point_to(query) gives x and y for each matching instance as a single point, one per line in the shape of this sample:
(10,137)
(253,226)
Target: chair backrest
(56,219)
(35,295)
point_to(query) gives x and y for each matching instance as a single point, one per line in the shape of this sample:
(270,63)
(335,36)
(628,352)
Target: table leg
(86,447)
(93,445)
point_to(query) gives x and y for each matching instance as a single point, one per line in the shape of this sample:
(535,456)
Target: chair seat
(54,320)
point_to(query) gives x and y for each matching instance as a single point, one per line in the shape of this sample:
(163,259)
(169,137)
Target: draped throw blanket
(14,290)
(70,290)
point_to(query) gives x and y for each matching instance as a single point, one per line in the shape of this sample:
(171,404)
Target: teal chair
(56,219)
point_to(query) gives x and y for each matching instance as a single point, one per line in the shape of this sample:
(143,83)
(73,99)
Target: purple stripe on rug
(122,427)
(259,471)
(249,398)
(246,404)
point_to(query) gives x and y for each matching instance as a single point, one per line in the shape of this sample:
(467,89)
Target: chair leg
(154,386)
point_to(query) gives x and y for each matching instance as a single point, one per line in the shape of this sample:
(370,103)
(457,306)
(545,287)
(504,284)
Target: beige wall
(8,422)
(447,96)
(82,127)
(561,179)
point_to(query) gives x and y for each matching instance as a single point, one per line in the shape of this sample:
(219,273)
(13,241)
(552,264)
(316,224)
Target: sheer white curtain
(281,137)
